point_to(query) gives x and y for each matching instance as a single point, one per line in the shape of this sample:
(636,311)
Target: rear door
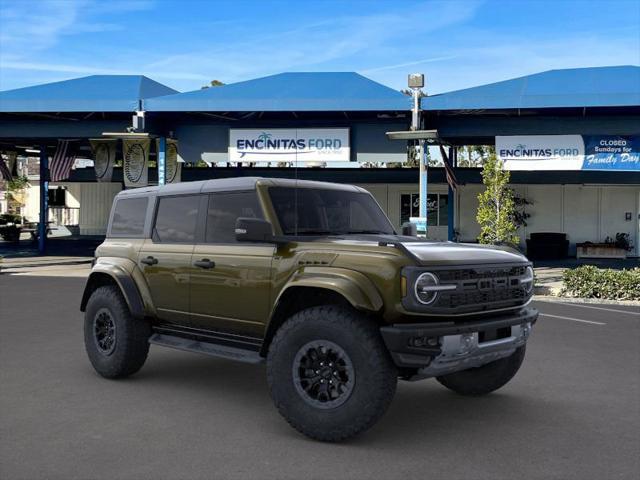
(231,286)
(165,259)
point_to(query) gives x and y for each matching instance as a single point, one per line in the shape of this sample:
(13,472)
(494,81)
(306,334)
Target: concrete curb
(11,266)
(597,301)
(551,291)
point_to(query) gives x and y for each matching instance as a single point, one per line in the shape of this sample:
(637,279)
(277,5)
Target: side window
(128,217)
(224,209)
(176,219)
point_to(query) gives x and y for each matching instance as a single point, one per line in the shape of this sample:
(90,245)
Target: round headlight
(527,281)
(425,293)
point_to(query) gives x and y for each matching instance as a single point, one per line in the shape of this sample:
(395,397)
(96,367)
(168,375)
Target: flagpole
(44,200)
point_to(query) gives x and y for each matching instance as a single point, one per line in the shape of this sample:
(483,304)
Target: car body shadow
(420,410)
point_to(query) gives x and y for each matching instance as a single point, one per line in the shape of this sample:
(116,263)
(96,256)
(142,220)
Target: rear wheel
(329,373)
(116,343)
(487,378)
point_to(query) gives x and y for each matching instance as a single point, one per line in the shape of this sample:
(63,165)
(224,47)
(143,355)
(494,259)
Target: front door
(165,259)
(231,284)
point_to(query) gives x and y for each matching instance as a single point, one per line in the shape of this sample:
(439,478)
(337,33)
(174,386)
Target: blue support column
(162,160)
(44,200)
(451,211)
(423,184)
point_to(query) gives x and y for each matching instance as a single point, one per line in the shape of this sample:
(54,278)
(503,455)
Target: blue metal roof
(96,93)
(576,87)
(297,92)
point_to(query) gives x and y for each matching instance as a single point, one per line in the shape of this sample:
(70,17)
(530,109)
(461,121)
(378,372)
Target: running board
(207,348)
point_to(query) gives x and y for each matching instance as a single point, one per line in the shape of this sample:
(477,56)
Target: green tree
(213,83)
(474,155)
(496,209)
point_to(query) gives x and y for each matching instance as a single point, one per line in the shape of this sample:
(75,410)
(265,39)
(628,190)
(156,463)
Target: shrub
(588,281)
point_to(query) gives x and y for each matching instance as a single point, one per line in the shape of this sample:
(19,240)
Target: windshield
(310,211)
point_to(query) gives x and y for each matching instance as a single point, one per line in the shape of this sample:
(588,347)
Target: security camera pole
(416,83)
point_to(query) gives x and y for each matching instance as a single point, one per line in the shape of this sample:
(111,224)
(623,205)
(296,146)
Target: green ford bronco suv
(312,279)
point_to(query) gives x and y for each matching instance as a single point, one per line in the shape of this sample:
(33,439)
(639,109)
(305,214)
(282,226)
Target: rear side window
(176,219)
(224,209)
(128,217)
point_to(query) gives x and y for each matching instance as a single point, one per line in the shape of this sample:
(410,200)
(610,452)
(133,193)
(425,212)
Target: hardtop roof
(231,184)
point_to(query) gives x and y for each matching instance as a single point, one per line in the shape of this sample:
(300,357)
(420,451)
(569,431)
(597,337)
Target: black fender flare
(123,280)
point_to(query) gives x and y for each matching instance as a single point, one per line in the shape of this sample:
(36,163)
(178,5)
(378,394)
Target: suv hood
(428,252)
(432,253)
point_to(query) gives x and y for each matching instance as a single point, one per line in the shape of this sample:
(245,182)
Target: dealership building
(571,139)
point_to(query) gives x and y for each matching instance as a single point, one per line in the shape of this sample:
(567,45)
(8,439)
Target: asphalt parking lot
(571,412)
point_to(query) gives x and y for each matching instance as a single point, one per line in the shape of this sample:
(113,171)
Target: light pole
(416,83)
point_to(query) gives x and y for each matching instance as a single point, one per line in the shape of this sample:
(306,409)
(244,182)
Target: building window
(437,208)
(57,197)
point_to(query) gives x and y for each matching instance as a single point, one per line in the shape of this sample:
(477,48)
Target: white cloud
(30,27)
(90,70)
(408,64)
(344,40)
(438,38)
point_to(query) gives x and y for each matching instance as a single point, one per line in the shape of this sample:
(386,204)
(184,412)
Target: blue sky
(184,44)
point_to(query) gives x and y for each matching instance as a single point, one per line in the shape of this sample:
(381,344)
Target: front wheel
(329,373)
(484,379)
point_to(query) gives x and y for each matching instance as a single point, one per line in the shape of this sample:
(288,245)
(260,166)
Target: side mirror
(409,229)
(253,230)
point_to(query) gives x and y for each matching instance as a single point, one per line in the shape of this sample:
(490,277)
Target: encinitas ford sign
(289,145)
(541,152)
(569,152)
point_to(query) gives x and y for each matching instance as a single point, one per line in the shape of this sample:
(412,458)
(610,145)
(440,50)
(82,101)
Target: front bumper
(433,349)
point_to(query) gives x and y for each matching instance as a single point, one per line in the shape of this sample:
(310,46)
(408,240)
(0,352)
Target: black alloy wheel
(323,374)
(104,331)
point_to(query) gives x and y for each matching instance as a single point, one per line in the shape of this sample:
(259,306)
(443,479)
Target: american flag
(4,170)
(448,169)
(62,161)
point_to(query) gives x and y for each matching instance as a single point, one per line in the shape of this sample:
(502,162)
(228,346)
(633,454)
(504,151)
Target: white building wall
(583,212)
(615,203)
(580,214)
(467,207)
(31,208)
(95,205)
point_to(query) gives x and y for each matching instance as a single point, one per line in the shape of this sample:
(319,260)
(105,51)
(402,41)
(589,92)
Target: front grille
(447,276)
(481,298)
(482,288)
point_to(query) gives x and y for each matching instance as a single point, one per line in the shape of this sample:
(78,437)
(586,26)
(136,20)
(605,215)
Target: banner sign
(610,152)
(172,164)
(135,154)
(541,152)
(104,157)
(569,152)
(289,145)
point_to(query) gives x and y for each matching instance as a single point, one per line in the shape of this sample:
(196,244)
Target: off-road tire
(375,375)
(484,379)
(131,335)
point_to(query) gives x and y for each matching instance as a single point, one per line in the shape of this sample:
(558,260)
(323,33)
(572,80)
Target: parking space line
(572,319)
(595,308)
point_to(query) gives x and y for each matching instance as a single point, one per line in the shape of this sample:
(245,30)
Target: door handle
(205,263)
(149,260)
